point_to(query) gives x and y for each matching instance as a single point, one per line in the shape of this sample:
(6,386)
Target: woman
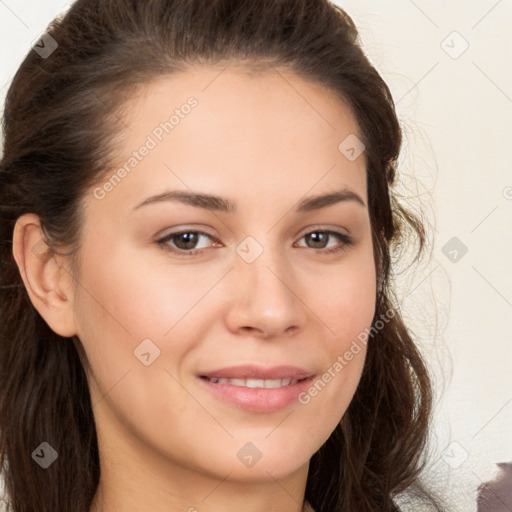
(197,229)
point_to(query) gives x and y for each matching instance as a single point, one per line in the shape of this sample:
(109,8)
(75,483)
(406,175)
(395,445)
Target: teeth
(254,383)
(275,383)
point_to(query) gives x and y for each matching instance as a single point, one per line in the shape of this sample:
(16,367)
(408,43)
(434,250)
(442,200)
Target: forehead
(233,92)
(246,133)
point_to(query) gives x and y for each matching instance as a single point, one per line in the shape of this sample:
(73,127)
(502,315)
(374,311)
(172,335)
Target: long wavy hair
(60,126)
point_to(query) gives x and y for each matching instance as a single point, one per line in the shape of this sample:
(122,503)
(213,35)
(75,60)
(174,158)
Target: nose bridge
(265,297)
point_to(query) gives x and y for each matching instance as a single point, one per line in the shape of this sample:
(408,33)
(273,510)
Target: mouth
(257,388)
(254,383)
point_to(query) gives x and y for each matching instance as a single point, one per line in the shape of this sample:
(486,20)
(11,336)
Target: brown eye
(319,239)
(184,242)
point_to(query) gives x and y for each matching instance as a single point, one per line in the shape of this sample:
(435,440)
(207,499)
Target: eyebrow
(215,203)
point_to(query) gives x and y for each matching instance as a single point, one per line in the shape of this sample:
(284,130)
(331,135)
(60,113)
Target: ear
(47,280)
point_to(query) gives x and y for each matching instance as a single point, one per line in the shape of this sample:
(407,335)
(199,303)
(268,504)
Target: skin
(265,142)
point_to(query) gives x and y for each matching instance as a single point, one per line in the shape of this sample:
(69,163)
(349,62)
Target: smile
(255,383)
(256,395)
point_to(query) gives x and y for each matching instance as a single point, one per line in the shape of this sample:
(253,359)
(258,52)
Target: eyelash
(345,239)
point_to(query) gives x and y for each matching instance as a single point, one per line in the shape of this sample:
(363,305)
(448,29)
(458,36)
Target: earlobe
(46,279)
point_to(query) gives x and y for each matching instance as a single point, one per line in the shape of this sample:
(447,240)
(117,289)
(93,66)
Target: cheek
(119,305)
(346,303)
(348,313)
(131,297)
(346,306)
(126,298)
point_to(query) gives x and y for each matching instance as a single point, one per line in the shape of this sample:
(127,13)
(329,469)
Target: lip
(263,400)
(253,371)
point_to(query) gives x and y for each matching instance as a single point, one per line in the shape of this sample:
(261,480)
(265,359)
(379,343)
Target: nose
(265,299)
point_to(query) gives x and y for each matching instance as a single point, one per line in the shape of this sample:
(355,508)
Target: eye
(185,243)
(319,239)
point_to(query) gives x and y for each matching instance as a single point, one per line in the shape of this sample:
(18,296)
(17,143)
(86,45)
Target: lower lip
(258,399)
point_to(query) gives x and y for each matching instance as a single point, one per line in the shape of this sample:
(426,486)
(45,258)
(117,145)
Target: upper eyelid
(182,231)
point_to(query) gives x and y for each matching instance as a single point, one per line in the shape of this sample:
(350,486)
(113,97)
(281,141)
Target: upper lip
(252,371)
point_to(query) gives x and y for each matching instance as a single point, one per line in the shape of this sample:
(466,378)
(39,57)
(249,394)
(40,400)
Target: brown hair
(60,125)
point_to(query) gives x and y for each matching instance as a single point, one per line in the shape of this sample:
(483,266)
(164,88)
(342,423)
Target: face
(206,322)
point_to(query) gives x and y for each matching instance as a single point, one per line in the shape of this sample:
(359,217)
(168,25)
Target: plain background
(449,67)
